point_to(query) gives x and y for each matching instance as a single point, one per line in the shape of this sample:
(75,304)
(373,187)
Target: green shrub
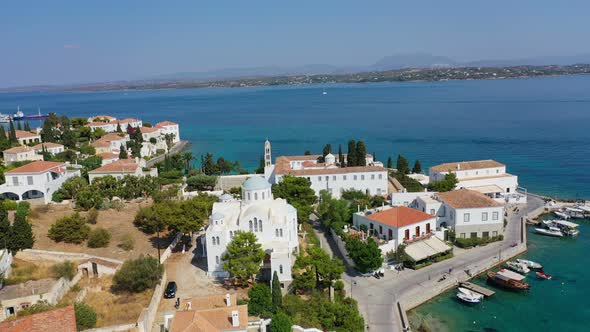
(66,270)
(57,197)
(85,316)
(99,238)
(137,275)
(92,216)
(10,205)
(127,242)
(281,322)
(69,229)
(260,303)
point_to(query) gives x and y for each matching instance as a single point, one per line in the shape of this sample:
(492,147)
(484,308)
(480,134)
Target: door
(417,231)
(94,269)
(390,234)
(380,230)
(427,228)
(407,234)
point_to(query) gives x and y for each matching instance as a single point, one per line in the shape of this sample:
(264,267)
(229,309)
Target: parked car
(170,291)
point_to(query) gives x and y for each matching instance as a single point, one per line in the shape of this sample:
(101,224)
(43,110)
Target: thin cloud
(71,46)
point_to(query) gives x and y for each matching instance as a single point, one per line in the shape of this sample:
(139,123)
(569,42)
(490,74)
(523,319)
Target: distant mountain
(415,60)
(533,61)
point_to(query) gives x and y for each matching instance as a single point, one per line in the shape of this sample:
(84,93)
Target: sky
(60,42)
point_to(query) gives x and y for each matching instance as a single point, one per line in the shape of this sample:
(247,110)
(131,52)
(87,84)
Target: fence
(147,316)
(168,250)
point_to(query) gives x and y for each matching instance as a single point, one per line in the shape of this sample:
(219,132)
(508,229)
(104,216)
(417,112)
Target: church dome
(226,198)
(217,216)
(256,183)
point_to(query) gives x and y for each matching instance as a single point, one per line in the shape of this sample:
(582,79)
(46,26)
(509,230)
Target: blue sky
(53,42)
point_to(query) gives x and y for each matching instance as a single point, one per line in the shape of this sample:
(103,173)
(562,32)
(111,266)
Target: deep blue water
(539,127)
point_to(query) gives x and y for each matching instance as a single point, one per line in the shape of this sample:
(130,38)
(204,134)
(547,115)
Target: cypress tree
(417,167)
(27,126)
(351,158)
(277,297)
(361,154)
(340,155)
(119,130)
(389,162)
(4,143)
(12,133)
(402,165)
(123,152)
(19,126)
(21,232)
(4,227)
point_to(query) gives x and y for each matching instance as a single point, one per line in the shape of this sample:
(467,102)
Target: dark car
(170,291)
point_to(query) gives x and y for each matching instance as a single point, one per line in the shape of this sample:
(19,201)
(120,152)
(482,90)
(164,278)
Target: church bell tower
(267,154)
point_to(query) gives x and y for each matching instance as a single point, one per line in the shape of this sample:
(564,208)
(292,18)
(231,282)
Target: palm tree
(187,157)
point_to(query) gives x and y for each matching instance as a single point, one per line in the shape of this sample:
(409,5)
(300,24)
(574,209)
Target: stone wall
(57,256)
(147,316)
(114,328)
(168,250)
(341,246)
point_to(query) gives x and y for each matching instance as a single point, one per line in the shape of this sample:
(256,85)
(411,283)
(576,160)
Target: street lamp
(351,284)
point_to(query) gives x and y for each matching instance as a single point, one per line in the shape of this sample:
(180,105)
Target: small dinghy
(518,267)
(468,299)
(542,275)
(530,264)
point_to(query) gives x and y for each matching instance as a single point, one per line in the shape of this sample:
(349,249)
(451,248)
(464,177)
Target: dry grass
(118,223)
(24,271)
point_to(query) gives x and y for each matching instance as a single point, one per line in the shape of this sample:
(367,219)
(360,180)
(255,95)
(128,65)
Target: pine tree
(389,162)
(340,155)
(361,154)
(417,167)
(12,133)
(21,233)
(351,158)
(277,297)
(4,227)
(327,150)
(402,165)
(123,152)
(4,143)
(19,126)
(27,126)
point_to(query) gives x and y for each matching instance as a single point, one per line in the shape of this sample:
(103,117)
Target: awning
(566,223)
(426,248)
(489,189)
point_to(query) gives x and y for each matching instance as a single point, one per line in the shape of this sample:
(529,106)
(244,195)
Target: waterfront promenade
(177,148)
(378,298)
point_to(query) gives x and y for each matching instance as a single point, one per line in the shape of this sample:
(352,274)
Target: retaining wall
(168,250)
(341,246)
(147,316)
(113,328)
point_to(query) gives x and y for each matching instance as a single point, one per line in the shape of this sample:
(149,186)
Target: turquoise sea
(539,127)
(559,304)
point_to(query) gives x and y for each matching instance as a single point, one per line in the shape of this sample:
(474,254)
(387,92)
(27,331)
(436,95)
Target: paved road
(177,148)
(377,298)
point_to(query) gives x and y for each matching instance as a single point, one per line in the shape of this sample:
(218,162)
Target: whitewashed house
(110,124)
(20,153)
(168,127)
(53,148)
(273,221)
(119,168)
(39,179)
(107,157)
(26,138)
(371,179)
(486,176)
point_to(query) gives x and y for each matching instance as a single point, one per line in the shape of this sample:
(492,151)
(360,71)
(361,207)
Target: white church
(273,221)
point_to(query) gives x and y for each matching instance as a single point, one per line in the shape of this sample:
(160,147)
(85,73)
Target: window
(466,217)
(432,212)
(250,222)
(372,176)
(249,196)
(497,171)
(319,178)
(29,180)
(263,195)
(334,178)
(218,240)
(15,180)
(255,196)
(495,233)
(462,235)
(281,232)
(485,235)
(354,177)
(484,216)
(380,176)
(213,240)
(231,234)
(277,232)
(473,235)
(327,178)
(380,229)
(362,177)
(344,177)
(280,269)
(495,215)
(216,259)
(260,225)
(255,225)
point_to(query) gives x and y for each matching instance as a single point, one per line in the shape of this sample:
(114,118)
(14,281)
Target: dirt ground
(23,271)
(118,223)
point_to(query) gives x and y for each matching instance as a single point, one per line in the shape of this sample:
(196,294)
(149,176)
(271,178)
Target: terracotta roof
(283,166)
(100,143)
(209,319)
(40,286)
(107,155)
(98,124)
(38,167)
(127,120)
(100,261)
(147,130)
(112,137)
(23,134)
(57,320)
(467,199)
(106,117)
(47,145)
(19,149)
(400,216)
(209,302)
(119,166)
(466,165)
(165,123)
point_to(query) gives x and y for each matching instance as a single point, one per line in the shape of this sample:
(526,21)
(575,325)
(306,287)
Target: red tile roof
(119,166)
(467,199)
(147,130)
(400,216)
(18,149)
(466,165)
(165,123)
(107,155)
(58,320)
(38,167)
(23,134)
(47,145)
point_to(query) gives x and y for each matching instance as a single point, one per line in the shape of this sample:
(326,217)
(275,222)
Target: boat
(551,231)
(530,264)
(542,275)
(20,116)
(584,208)
(470,293)
(324,92)
(4,118)
(466,298)
(518,267)
(574,212)
(501,280)
(568,228)
(511,275)
(562,214)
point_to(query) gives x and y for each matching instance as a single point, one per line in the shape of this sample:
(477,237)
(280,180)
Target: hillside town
(100,210)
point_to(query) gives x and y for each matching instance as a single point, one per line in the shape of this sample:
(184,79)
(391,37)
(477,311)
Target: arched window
(280,269)
(255,196)
(218,240)
(250,225)
(281,232)
(276,232)
(260,225)
(215,222)
(231,234)
(213,240)
(248,196)
(255,225)
(263,195)
(216,259)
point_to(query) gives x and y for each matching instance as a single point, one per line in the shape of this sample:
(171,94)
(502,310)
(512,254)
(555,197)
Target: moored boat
(505,282)
(4,118)
(470,293)
(562,214)
(518,267)
(551,231)
(466,298)
(542,275)
(530,264)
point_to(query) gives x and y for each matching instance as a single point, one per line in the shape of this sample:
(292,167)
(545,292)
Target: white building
(20,153)
(53,148)
(398,224)
(486,176)
(107,157)
(5,261)
(168,127)
(371,179)
(273,221)
(39,179)
(109,124)
(119,168)
(25,138)
(468,212)
(110,143)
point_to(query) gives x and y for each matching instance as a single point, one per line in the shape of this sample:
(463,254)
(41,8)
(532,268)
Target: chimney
(458,166)
(235,318)
(227,300)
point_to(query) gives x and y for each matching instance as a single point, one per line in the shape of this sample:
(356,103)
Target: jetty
(477,288)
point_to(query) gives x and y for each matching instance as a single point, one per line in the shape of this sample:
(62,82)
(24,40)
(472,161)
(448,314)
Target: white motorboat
(4,118)
(574,212)
(551,231)
(467,298)
(562,214)
(510,275)
(530,264)
(518,267)
(584,208)
(470,293)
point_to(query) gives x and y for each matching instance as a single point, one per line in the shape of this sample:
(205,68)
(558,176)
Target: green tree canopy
(389,162)
(402,165)
(277,296)
(351,158)
(260,300)
(243,256)
(448,183)
(281,322)
(366,255)
(201,182)
(297,191)
(417,167)
(137,275)
(361,154)
(71,229)
(85,316)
